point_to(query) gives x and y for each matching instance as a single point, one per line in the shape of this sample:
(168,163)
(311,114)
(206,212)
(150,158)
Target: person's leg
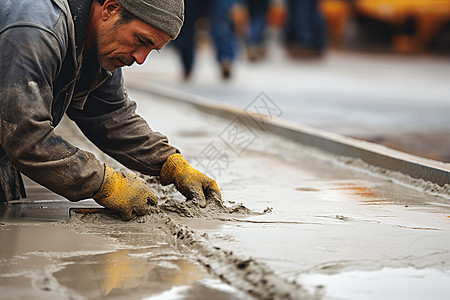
(255,41)
(297,30)
(317,28)
(223,34)
(258,11)
(185,42)
(305,32)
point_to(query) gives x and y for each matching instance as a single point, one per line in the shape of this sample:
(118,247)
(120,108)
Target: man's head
(125,31)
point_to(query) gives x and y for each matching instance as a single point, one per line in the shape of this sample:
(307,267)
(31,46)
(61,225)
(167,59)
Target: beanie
(167,15)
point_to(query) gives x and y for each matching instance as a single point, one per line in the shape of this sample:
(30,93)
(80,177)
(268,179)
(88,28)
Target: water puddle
(117,260)
(139,274)
(202,290)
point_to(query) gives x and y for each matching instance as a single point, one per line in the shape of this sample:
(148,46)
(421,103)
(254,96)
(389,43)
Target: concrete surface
(330,226)
(263,114)
(326,218)
(42,260)
(396,100)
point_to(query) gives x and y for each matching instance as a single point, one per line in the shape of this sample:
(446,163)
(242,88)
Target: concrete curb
(372,154)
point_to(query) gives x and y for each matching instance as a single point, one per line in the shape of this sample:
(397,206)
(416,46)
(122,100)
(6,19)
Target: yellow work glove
(125,193)
(191,183)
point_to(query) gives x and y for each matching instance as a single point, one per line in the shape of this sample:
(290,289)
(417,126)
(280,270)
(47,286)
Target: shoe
(225,67)
(187,75)
(302,51)
(256,53)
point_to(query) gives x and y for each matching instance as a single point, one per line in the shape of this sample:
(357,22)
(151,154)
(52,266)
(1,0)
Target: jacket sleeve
(30,59)
(110,122)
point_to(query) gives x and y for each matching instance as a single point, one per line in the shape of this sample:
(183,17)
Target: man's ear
(109,8)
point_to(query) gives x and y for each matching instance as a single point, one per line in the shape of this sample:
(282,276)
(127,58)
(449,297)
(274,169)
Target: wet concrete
(396,100)
(49,252)
(114,260)
(330,226)
(328,216)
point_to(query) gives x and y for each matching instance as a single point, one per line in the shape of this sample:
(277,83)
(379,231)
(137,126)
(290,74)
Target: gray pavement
(399,101)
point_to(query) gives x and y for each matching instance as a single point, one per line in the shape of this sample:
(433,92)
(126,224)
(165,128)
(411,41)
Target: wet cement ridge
(243,273)
(372,154)
(397,177)
(343,265)
(358,165)
(267,222)
(421,228)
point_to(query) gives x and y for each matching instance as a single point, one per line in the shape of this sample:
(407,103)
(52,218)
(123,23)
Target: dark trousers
(258,10)
(222,30)
(306,26)
(185,42)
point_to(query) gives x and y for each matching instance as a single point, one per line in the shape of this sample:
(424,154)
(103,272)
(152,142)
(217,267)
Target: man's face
(122,44)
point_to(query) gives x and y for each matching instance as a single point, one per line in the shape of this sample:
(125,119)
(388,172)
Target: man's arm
(110,122)
(30,59)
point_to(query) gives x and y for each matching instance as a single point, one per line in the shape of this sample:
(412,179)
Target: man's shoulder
(44,14)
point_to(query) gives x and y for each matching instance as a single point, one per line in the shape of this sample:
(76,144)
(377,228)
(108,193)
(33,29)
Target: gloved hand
(191,183)
(125,193)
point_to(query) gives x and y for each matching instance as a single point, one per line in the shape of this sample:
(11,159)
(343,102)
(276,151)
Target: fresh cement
(311,226)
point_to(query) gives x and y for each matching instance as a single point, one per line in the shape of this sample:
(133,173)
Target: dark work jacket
(43,75)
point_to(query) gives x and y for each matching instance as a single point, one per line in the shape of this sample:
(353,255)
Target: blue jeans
(306,26)
(258,10)
(222,29)
(185,42)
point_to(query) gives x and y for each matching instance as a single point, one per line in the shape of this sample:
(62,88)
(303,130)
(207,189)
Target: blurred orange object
(336,13)
(241,19)
(277,15)
(429,16)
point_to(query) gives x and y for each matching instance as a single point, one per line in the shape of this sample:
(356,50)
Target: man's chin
(109,67)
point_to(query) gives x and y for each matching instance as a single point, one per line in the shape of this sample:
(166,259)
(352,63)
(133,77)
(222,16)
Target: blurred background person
(305,28)
(257,10)
(185,44)
(228,18)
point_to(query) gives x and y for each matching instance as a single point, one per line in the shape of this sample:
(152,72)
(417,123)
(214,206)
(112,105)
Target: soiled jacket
(43,75)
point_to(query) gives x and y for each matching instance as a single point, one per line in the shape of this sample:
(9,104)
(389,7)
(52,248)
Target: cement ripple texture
(174,204)
(243,273)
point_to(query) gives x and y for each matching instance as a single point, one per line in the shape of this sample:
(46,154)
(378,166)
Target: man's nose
(140,54)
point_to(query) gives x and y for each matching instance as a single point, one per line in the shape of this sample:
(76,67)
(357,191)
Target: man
(65,56)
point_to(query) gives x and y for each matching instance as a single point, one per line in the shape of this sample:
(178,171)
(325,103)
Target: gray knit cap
(167,15)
